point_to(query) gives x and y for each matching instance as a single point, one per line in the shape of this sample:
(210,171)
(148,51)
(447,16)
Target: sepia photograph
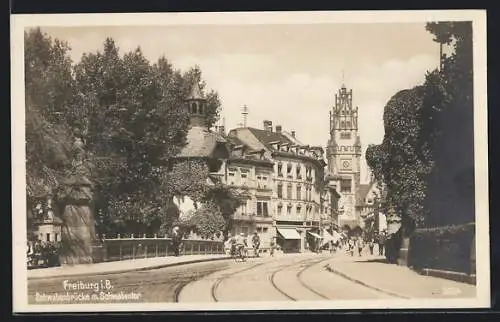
(243,161)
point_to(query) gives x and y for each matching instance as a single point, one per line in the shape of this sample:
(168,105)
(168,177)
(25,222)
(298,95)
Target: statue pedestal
(78,231)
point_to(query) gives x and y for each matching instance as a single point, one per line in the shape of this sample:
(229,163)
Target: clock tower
(344,153)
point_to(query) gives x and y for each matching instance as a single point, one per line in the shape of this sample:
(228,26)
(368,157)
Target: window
(289,191)
(289,169)
(345,185)
(299,170)
(345,135)
(264,230)
(280,209)
(280,169)
(299,208)
(348,124)
(289,209)
(48,236)
(262,208)
(259,229)
(201,109)
(56,237)
(299,188)
(243,208)
(342,124)
(194,108)
(280,190)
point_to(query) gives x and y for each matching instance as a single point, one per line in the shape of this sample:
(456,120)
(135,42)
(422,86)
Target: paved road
(301,277)
(291,277)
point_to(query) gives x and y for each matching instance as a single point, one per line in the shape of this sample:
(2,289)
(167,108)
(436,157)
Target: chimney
(293,134)
(278,128)
(268,126)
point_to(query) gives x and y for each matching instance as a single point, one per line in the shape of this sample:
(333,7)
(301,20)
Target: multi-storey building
(251,175)
(298,173)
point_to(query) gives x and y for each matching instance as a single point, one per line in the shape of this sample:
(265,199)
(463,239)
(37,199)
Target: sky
(287,74)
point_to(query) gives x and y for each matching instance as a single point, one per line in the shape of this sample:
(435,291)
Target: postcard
(250,161)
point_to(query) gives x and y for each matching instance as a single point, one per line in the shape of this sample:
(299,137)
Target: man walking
(176,240)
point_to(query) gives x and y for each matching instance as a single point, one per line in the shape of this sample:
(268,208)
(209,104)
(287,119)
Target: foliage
(428,135)
(49,90)
(227,200)
(447,248)
(129,118)
(207,221)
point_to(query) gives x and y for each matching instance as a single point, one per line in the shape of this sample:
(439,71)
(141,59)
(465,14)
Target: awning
(328,238)
(314,235)
(289,233)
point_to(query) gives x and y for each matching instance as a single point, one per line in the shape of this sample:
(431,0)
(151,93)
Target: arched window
(194,108)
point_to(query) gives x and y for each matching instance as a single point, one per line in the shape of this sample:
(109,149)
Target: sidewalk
(120,266)
(398,281)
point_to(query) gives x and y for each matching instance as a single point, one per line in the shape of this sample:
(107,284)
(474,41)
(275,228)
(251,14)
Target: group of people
(42,254)
(238,243)
(357,244)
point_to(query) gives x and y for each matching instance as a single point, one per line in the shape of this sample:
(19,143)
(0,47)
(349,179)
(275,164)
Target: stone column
(78,230)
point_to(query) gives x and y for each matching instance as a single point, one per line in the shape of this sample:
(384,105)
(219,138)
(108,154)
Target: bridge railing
(117,249)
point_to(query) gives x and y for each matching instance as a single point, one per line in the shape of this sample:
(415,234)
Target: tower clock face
(346,164)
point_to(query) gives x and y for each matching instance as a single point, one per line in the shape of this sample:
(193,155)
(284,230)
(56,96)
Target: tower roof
(195,92)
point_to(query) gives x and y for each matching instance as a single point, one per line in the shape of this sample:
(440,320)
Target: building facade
(251,175)
(296,203)
(344,155)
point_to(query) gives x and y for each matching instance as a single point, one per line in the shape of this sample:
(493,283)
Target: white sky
(288,74)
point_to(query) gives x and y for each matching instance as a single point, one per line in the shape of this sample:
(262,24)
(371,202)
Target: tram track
(215,286)
(272,279)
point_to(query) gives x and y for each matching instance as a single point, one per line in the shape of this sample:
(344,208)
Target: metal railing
(118,249)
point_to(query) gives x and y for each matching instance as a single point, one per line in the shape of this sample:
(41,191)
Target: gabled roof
(201,143)
(266,137)
(195,92)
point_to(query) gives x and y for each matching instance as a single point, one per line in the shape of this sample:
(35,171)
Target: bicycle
(256,250)
(239,253)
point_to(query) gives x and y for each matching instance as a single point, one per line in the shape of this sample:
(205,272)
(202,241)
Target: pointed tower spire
(196,106)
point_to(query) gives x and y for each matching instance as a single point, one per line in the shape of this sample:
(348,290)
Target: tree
(207,221)
(451,190)
(49,90)
(135,122)
(427,150)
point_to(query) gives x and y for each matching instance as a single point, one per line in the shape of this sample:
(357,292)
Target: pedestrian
(371,245)
(381,243)
(272,247)
(176,240)
(360,245)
